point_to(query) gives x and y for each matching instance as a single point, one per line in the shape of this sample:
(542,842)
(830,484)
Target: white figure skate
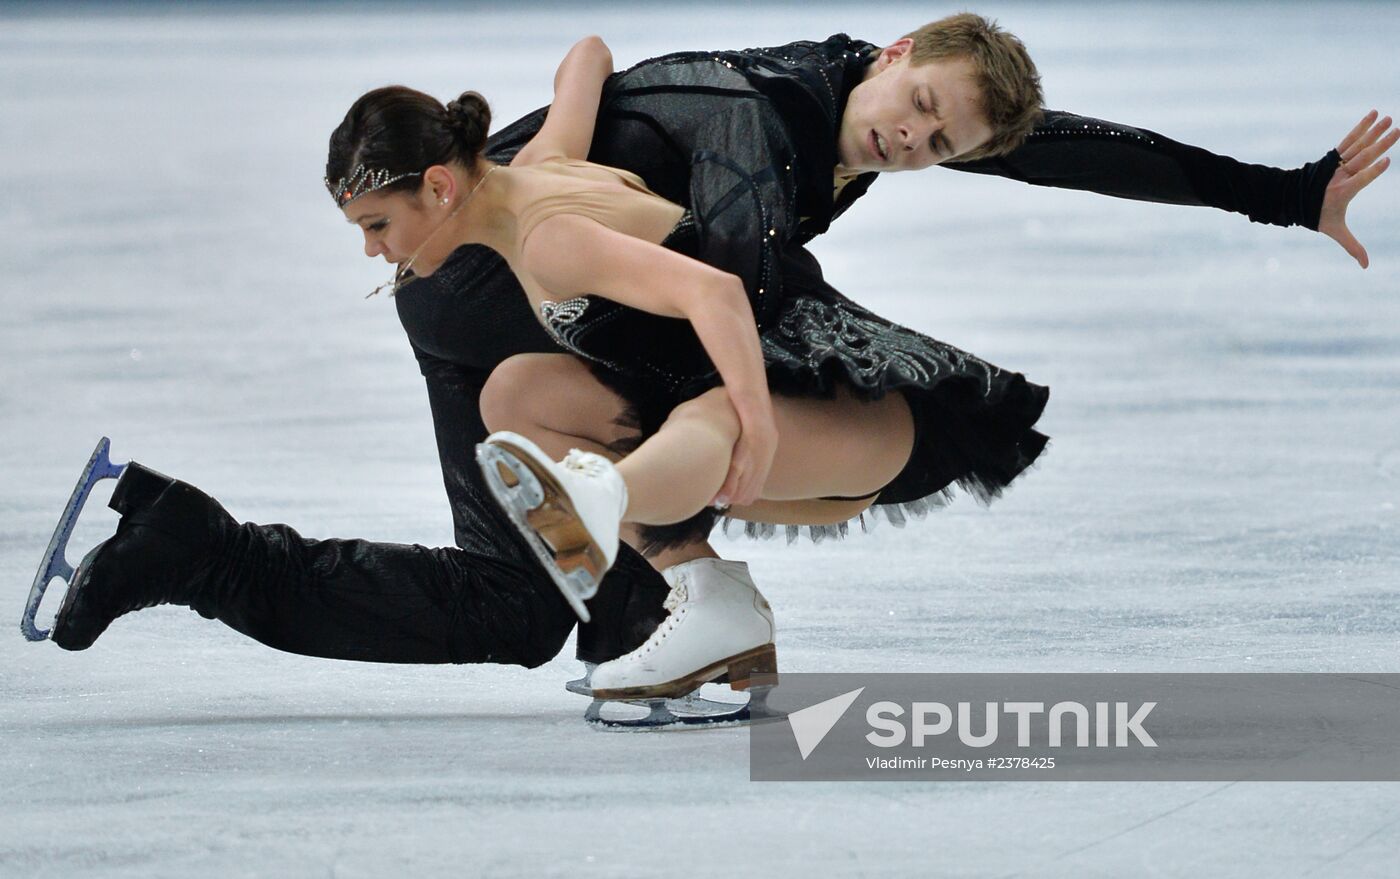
(719,625)
(569,513)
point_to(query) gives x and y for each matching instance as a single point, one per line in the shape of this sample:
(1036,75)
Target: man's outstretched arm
(1078,152)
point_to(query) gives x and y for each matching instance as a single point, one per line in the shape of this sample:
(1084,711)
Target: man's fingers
(1366,139)
(1353,247)
(1368,156)
(1359,254)
(1391,139)
(1360,181)
(1356,132)
(1364,151)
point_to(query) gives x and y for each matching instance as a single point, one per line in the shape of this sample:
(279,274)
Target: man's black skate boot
(168,536)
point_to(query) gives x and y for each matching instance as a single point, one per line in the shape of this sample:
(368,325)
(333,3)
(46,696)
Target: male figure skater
(765,147)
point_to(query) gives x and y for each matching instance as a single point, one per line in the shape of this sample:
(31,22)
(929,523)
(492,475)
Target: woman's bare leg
(843,447)
(679,469)
(839,447)
(556,401)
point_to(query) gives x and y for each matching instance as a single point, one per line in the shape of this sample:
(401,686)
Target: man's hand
(1361,153)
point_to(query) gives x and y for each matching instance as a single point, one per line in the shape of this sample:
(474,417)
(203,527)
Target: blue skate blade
(98,467)
(516,501)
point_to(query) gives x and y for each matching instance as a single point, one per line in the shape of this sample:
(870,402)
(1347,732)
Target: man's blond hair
(1003,72)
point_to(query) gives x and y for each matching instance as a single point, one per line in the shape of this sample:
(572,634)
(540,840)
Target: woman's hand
(752,458)
(1361,153)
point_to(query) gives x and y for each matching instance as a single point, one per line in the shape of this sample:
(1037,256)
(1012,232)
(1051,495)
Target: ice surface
(1221,492)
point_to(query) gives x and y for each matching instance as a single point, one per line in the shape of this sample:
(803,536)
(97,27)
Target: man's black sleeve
(1077,152)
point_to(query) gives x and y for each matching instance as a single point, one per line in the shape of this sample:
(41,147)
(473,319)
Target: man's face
(903,117)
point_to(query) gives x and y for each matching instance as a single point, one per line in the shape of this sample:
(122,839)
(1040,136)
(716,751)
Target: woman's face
(395,224)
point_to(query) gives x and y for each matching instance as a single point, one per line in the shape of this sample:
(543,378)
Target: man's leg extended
(339,599)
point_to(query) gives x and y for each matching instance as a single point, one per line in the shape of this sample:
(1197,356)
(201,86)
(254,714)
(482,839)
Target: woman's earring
(442,201)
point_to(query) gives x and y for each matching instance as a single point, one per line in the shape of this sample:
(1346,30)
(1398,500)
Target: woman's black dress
(974,422)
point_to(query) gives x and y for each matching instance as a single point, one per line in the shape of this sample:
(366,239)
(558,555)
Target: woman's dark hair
(404,131)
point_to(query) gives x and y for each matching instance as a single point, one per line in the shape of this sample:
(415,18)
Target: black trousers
(385,602)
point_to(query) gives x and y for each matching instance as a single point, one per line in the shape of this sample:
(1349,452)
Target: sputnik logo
(811,724)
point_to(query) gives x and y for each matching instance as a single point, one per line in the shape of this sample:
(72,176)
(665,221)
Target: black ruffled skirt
(974,422)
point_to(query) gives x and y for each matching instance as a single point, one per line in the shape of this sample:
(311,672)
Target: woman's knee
(506,397)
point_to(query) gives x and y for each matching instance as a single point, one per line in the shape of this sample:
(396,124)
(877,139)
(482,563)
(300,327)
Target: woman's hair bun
(470,119)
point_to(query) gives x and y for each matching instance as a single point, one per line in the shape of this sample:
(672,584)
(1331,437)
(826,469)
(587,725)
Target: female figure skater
(685,347)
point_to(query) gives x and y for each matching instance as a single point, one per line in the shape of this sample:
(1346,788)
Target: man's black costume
(747,141)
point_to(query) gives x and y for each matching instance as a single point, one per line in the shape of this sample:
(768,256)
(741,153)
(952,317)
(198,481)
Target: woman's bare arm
(567,131)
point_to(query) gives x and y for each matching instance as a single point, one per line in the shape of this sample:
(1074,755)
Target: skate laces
(674,599)
(583,462)
(677,595)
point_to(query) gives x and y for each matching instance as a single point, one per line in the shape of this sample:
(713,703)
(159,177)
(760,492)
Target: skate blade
(691,711)
(582,686)
(739,668)
(692,702)
(99,467)
(540,511)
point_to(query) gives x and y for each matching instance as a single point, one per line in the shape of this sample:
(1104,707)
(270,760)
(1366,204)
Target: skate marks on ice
(55,564)
(1120,833)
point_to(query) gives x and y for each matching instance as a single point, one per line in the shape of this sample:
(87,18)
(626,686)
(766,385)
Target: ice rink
(1220,495)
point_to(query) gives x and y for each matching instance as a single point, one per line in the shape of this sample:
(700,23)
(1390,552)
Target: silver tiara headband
(362,181)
